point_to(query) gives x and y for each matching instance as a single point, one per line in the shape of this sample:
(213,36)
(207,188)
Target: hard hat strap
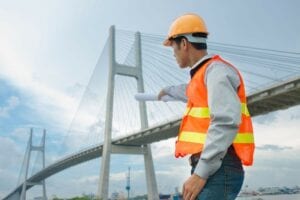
(193,39)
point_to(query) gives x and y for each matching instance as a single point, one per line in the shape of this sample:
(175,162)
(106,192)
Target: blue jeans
(226,183)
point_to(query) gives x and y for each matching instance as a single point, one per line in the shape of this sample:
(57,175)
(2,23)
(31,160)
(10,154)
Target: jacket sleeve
(177,92)
(225,112)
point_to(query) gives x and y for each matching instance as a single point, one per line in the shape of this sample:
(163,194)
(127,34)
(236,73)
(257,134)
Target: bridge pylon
(109,148)
(31,148)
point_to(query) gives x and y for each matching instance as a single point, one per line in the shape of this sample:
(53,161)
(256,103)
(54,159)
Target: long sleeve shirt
(225,113)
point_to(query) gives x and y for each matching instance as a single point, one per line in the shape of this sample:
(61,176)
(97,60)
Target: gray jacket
(225,113)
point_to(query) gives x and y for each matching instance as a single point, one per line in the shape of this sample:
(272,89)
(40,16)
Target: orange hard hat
(185,24)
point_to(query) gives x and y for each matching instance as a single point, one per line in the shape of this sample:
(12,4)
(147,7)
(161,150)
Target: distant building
(170,197)
(165,197)
(117,196)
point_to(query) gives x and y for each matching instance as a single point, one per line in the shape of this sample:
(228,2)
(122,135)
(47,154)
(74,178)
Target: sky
(48,51)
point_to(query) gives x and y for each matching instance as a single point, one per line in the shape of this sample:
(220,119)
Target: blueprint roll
(152,97)
(146,97)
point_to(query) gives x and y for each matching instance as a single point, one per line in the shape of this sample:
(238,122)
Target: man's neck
(195,56)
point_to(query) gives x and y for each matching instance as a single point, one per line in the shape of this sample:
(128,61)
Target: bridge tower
(109,148)
(30,148)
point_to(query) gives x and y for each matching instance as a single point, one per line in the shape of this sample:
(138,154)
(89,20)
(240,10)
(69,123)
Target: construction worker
(216,129)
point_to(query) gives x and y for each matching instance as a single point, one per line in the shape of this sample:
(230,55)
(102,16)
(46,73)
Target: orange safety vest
(196,120)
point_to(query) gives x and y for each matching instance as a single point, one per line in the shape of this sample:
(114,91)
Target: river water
(272,197)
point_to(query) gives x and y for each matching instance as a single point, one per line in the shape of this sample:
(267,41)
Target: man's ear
(184,43)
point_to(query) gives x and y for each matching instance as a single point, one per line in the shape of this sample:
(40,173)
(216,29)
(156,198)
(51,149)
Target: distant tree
(56,198)
(80,198)
(83,197)
(141,197)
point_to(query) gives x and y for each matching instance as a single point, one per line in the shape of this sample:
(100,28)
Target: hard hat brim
(167,43)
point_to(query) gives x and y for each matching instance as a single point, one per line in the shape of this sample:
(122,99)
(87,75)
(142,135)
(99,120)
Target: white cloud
(22,63)
(11,104)
(8,181)
(272,147)
(283,130)
(20,135)
(89,180)
(274,168)
(10,164)
(54,104)
(163,149)
(121,176)
(8,145)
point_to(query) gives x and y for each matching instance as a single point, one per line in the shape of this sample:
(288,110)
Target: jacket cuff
(204,169)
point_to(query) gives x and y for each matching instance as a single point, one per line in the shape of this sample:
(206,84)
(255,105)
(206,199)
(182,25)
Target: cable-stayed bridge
(272,78)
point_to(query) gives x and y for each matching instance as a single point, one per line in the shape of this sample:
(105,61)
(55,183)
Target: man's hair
(198,46)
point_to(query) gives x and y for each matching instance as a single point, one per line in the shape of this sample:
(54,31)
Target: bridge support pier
(30,148)
(150,174)
(108,148)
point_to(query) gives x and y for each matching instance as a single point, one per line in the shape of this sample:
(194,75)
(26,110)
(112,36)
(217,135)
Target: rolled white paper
(168,98)
(152,97)
(146,97)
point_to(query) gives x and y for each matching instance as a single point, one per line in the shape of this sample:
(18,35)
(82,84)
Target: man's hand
(192,187)
(161,94)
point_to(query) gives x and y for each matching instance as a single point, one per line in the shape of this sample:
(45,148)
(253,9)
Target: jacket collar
(199,64)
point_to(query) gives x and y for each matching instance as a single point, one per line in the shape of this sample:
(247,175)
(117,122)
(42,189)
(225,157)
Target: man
(216,129)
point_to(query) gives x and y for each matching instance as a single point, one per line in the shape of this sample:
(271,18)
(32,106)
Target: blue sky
(48,51)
